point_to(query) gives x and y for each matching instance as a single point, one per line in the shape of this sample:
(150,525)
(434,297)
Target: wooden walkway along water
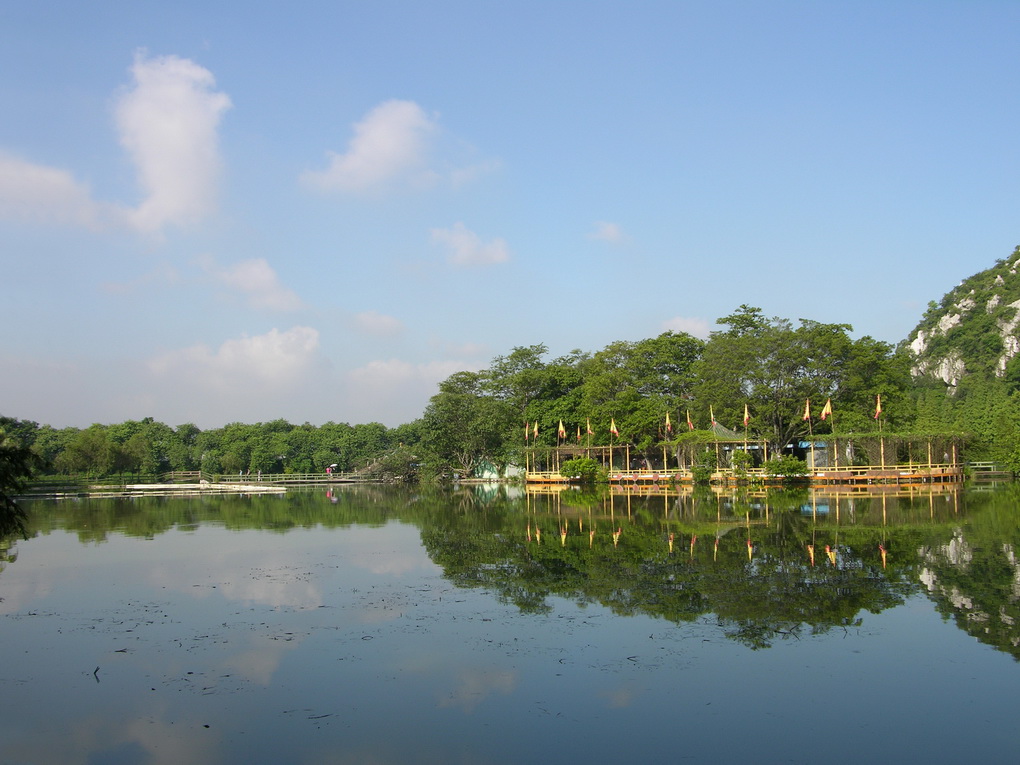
(180,483)
(864,474)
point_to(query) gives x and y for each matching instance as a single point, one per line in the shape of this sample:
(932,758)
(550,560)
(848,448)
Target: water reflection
(767,564)
(393,626)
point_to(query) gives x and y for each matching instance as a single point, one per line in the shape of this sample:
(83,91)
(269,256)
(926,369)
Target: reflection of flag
(878,405)
(669,425)
(807,410)
(747,416)
(832,554)
(590,431)
(562,432)
(690,425)
(612,427)
(827,409)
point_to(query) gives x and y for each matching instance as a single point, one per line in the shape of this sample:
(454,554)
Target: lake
(489,625)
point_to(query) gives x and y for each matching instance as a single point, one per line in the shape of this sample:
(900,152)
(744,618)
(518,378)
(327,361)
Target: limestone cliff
(974,329)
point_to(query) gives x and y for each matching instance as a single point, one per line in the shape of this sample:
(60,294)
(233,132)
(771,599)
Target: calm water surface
(489,626)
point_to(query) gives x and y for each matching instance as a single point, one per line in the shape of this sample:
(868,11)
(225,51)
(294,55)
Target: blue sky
(319,210)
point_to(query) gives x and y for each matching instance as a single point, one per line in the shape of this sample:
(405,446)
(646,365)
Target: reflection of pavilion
(860,459)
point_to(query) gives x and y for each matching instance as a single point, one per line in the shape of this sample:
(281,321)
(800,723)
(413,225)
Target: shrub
(583,469)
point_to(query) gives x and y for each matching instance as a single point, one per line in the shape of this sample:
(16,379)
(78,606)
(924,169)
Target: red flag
(612,427)
(827,409)
(527,432)
(747,416)
(534,432)
(578,434)
(878,405)
(588,423)
(690,425)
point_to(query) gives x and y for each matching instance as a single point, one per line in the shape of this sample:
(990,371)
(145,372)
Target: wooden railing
(851,474)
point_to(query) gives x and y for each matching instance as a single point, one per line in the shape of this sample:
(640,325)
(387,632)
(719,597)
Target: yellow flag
(827,409)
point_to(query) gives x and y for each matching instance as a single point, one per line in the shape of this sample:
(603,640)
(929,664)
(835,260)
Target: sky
(317,211)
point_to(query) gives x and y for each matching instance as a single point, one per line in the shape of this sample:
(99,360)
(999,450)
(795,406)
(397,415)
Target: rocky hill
(974,329)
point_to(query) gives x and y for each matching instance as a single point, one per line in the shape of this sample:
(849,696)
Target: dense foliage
(150,447)
(760,378)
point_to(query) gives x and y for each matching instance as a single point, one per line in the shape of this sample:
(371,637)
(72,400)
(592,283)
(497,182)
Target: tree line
(766,377)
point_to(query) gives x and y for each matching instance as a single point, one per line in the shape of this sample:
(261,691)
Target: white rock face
(947,322)
(1010,341)
(919,343)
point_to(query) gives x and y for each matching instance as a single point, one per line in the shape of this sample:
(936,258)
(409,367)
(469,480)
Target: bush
(787,467)
(583,469)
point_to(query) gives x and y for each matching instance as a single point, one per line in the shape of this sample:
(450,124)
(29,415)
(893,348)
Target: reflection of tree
(766,566)
(974,576)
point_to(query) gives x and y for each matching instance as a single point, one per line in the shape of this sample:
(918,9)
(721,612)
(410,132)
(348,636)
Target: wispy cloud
(42,194)
(378,324)
(691,325)
(394,389)
(398,145)
(465,248)
(270,360)
(167,122)
(258,282)
(607,232)
(389,147)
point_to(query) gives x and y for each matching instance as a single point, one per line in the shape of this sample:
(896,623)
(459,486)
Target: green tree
(462,426)
(17,464)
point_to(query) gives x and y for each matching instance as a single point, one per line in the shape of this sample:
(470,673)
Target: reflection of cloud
(474,686)
(277,587)
(260,662)
(141,739)
(619,698)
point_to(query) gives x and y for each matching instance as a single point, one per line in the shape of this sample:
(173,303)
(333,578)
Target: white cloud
(465,247)
(168,124)
(257,280)
(395,390)
(692,326)
(378,324)
(46,195)
(270,361)
(389,147)
(607,232)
